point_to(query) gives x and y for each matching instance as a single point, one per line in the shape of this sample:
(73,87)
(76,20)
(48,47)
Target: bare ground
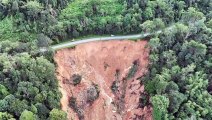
(105,64)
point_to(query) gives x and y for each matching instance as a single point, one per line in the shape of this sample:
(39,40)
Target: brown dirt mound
(100,80)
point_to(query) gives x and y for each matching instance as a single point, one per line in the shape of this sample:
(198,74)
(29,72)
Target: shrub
(133,70)
(114,86)
(92,93)
(73,105)
(143,100)
(76,79)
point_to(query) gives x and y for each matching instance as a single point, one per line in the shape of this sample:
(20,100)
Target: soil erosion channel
(99,80)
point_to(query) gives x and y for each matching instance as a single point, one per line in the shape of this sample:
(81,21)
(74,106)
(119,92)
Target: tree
(15,6)
(199,101)
(4,105)
(175,98)
(172,86)
(209,24)
(148,26)
(168,58)
(159,24)
(43,41)
(181,32)
(192,15)
(56,114)
(18,106)
(75,33)
(154,44)
(149,13)
(27,115)
(160,105)
(43,111)
(33,8)
(192,52)
(76,79)
(92,94)
(26,90)
(153,26)
(3,91)
(6,116)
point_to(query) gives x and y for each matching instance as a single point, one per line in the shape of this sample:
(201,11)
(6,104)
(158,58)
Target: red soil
(103,63)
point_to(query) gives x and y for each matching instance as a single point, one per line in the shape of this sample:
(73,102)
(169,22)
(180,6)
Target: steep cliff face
(99,80)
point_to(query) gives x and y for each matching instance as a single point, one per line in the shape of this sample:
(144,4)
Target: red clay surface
(98,62)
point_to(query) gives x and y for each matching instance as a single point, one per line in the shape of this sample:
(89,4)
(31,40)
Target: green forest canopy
(179,80)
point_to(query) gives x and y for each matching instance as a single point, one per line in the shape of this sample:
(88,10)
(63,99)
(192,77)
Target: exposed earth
(100,80)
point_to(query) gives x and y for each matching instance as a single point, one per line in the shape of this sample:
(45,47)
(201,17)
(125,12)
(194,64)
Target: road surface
(68,44)
(124,37)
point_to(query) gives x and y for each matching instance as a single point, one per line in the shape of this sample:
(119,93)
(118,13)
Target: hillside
(104,80)
(177,80)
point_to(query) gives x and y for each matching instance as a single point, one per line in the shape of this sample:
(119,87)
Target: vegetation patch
(27,82)
(133,70)
(180,68)
(76,79)
(88,17)
(143,100)
(74,106)
(114,86)
(93,93)
(8,32)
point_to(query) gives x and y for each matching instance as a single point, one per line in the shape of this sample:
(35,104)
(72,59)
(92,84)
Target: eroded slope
(99,80)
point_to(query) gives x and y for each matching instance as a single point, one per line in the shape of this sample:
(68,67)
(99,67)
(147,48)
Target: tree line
(28,85)
(179,81)
(81,17)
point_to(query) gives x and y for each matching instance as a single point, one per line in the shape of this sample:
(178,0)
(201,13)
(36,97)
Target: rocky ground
(99,80)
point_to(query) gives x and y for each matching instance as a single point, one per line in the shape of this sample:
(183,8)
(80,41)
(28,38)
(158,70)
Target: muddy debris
(100,81)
